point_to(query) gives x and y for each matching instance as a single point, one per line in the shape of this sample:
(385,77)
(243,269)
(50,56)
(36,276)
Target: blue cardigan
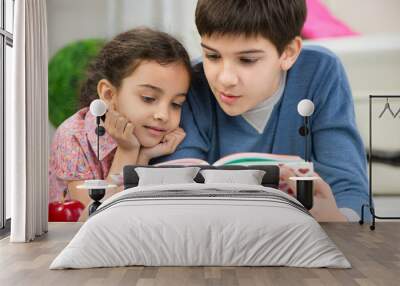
(336,148)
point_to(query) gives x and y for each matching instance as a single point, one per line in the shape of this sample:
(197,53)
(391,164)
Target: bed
(201,223)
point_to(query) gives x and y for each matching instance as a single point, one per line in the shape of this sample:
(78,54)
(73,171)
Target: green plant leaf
(67,70)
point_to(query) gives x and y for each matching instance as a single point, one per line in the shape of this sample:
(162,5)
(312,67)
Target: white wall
(368,16)
(71,20)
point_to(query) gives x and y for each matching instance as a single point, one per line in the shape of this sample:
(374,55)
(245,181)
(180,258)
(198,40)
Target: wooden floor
(374,255)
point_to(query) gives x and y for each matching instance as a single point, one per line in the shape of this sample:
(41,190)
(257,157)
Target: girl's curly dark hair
(123,54)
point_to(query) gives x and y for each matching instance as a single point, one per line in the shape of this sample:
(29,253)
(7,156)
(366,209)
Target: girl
(143,76)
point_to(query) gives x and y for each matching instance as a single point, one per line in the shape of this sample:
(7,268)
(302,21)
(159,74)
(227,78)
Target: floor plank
(374,255)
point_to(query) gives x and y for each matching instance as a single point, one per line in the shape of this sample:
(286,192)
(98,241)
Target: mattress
(201,225)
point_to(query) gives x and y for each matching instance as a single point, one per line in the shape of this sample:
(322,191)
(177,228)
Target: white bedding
(217,226)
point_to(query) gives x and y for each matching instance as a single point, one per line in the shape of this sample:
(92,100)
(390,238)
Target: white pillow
(248,177)
(164,176)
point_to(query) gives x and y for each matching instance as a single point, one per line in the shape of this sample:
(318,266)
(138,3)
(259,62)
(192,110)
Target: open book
(300,167)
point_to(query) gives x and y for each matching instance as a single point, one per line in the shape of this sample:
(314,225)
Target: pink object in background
(320,23)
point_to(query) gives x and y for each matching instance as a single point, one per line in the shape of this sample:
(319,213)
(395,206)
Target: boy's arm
(338,151)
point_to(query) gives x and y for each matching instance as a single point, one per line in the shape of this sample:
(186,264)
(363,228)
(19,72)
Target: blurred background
(371,58)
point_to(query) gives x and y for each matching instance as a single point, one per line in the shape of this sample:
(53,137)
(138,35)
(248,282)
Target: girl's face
(151,98)
(244,71)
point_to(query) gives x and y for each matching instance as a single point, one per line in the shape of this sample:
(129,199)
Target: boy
(244,98)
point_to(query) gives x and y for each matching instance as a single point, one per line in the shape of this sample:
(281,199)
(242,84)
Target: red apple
(67,211)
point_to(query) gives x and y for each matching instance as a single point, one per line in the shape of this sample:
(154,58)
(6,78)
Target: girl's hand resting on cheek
(167,146)
(121,130)
(324,208)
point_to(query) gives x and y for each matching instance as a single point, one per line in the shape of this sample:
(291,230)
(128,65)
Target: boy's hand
(119,128)
(324,207)
(167,146)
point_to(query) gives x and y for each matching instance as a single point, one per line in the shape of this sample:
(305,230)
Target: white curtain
(26,121)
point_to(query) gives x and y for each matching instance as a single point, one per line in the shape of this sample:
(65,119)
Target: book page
(184,162)
(254,158)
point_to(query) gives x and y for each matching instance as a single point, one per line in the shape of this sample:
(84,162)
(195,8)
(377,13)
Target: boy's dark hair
(123,54)
(279,21)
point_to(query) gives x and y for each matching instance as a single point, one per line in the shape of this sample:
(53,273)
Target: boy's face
(151,98)
(241,71)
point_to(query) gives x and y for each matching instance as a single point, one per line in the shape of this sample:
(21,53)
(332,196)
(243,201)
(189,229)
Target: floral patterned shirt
(73,153)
